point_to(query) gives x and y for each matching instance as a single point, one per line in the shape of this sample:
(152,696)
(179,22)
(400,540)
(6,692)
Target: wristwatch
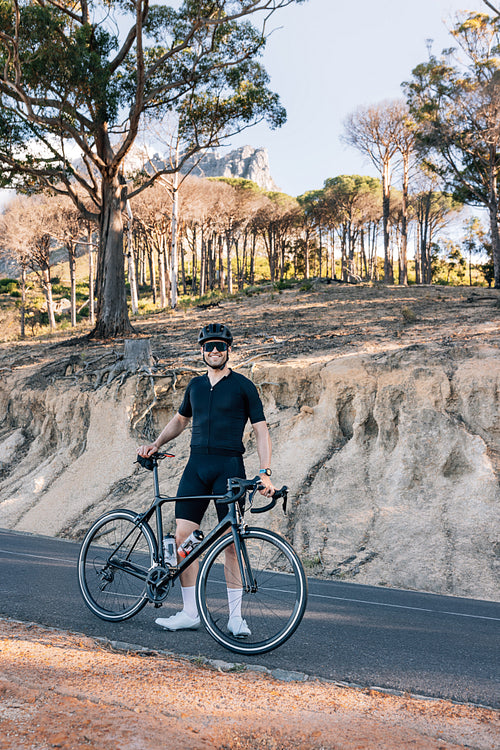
(268,472)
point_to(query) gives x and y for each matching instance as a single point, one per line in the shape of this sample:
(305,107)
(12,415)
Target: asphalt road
(438,646)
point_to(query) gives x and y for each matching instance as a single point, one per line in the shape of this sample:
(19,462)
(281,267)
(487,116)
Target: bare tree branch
(492,7)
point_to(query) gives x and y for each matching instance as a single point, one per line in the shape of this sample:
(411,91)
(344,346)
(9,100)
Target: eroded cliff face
(392,459)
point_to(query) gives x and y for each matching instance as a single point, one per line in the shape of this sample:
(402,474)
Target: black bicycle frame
(230,520)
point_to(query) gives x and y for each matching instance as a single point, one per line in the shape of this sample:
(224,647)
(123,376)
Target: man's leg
(188,518)
(188,576)
(233,467)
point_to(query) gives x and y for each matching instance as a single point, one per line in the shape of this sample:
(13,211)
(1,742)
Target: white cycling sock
(234,597)
(189,601)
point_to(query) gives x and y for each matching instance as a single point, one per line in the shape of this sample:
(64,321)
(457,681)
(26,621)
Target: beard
(216,367)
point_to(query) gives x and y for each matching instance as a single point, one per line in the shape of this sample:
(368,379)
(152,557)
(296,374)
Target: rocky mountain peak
(246,162)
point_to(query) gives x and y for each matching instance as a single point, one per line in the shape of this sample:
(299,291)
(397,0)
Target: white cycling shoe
(180,621)
(238,626)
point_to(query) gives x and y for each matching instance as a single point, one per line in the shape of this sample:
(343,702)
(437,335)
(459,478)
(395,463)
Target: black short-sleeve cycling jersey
(220,413)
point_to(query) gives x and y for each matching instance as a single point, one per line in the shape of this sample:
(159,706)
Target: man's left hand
(268,488)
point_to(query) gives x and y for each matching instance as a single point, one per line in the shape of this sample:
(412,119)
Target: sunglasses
(221,346)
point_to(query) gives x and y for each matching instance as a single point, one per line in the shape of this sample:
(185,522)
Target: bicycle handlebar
(242,485)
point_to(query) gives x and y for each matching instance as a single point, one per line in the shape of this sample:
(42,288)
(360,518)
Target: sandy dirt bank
(61,690)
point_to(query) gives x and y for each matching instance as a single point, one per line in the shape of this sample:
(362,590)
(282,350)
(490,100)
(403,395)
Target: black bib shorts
(206,475)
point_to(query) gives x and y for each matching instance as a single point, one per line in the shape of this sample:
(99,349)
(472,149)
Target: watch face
(268,472)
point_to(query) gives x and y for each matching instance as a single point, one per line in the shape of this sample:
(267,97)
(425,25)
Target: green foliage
(240,184)
(285,284)
(454,101)
(9,286)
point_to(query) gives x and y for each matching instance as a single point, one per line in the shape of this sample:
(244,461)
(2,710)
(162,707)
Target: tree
(453,262)
(28,228)
(379,131)
(456,105)
(277,218)
(433,209)
(350,200)
(86,77)
(66,227)
(474,240)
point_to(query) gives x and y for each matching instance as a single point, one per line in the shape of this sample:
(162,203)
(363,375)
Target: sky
(328,57)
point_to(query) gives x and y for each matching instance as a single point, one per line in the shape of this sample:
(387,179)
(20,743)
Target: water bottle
(190,543)
(169,550)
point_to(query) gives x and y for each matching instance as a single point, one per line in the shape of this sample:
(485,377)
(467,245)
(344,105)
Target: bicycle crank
(158,584)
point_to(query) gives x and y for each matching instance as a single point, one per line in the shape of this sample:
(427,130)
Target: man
(219,403)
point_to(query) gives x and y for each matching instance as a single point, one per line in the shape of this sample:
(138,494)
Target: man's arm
(264,449)
(172,429)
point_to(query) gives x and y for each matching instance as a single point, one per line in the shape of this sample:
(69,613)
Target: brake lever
(252,494)
(285,498)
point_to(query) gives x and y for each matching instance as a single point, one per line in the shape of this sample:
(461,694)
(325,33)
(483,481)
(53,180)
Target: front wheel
(113,565)
(272,595)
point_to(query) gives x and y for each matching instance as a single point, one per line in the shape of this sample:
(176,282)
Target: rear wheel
(273,597)
(113,565)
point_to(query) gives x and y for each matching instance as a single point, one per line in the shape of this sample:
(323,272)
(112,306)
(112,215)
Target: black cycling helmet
(215,331)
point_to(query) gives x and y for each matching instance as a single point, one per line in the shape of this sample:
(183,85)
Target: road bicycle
(122,567)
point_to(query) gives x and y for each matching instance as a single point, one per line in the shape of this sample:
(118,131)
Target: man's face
(215,353)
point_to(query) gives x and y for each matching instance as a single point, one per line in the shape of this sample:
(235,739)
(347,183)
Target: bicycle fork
(248,580)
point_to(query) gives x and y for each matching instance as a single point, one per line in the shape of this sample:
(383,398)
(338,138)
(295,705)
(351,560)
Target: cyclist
(220,404)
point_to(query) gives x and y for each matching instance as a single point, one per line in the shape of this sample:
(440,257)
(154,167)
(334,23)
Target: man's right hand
(147,450)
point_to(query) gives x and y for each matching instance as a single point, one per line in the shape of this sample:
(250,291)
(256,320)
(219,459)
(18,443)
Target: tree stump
(137,354)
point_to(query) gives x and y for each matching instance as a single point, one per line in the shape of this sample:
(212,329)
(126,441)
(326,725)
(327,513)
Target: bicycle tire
(273,611)
(114,540)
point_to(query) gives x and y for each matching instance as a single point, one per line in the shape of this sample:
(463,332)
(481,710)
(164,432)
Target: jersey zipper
(209,412)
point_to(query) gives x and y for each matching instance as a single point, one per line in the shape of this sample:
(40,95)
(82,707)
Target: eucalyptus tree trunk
(72,277)
(132,276)
(112,312)
(350,244)
(252,257)
(174,256)
(203,263)
(418,259)
(403,253)
(152,271)
(320,253)
(244,261)
(161,273)
(183,268)
(220,255)
(343,260)
(386,206)
(364,261)
(425,242)
(47,290)
(194,275)
(331,253)
(91,276)
(229,261)
(306,256)
(23,301)
(494,231)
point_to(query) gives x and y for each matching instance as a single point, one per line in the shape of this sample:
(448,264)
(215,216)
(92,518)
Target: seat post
(155,478)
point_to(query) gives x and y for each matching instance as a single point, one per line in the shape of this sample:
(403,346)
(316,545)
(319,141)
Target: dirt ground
(61,690)
(333,319)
